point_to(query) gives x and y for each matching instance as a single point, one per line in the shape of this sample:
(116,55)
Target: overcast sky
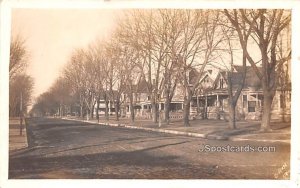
(52,34)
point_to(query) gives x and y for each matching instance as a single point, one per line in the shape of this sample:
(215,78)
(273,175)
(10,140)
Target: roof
(251,80)
(193,74)
(211,74)
(109,94)
(140,87)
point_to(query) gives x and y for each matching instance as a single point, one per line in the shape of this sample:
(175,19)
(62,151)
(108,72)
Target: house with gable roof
(211,100)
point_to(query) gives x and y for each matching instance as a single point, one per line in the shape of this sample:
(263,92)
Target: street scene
(150,94)
(71,149)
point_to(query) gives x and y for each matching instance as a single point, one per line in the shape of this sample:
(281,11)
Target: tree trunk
(232,116)
(106,110)
(106,107)
(87,114)
(233,98)
(117,107)
(186,111)
(97,110)
(60,111)
(124,110)
(267,108)
(81,106)
(154,112)
(132,116)
(92,111)
(167,110)
(81,111)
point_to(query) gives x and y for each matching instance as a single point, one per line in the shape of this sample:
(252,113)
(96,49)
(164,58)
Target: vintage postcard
(115,91)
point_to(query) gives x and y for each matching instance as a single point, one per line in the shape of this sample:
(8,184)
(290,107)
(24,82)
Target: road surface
(70,150)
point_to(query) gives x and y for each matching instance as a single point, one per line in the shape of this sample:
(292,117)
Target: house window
(244,101)
(210,101)
(251,106)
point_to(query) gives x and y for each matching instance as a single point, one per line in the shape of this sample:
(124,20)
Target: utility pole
(159,109)
(21,114)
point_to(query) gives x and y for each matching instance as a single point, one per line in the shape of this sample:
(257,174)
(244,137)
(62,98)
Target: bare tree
(265,27)
(199,40)
(60,90)
(90,79)
(18,56)
(58,100)
(163,40)
(234,90)
(170,33)
(99,61)
(20,84)
(45,105)
(145,34)
(234,93)
(20,93)
(131,50)
(107,80)
(75,77)
(284,79)
(115,74)
(150,55)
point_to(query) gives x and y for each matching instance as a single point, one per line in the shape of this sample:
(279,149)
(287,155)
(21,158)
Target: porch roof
(214,92)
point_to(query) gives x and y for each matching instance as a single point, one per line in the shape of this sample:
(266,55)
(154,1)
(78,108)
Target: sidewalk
(209,129)
(16,141)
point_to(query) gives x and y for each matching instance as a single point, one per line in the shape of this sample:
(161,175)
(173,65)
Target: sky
(52,34)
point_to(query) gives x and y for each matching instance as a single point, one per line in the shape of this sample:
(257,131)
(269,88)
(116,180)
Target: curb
(259,140)
(191,134)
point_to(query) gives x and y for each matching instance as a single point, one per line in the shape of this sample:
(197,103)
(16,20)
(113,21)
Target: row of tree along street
(168,44)
(20,84)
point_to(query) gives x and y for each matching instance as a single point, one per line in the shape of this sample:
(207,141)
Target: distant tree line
(166,44)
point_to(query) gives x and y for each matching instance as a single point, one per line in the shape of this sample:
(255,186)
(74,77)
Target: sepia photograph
(150,93)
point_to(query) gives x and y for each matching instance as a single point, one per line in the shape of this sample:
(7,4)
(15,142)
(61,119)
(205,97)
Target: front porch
(214,105)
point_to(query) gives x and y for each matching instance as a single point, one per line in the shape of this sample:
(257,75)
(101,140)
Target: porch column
(198,107)
(109,107)
(279,96)
(256,105)
(218,100)
(191,107)
(205,108)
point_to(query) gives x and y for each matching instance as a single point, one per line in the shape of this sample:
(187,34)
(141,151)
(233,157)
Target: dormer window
(221,83)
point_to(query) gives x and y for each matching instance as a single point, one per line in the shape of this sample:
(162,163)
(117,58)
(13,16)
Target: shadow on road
(123,164)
